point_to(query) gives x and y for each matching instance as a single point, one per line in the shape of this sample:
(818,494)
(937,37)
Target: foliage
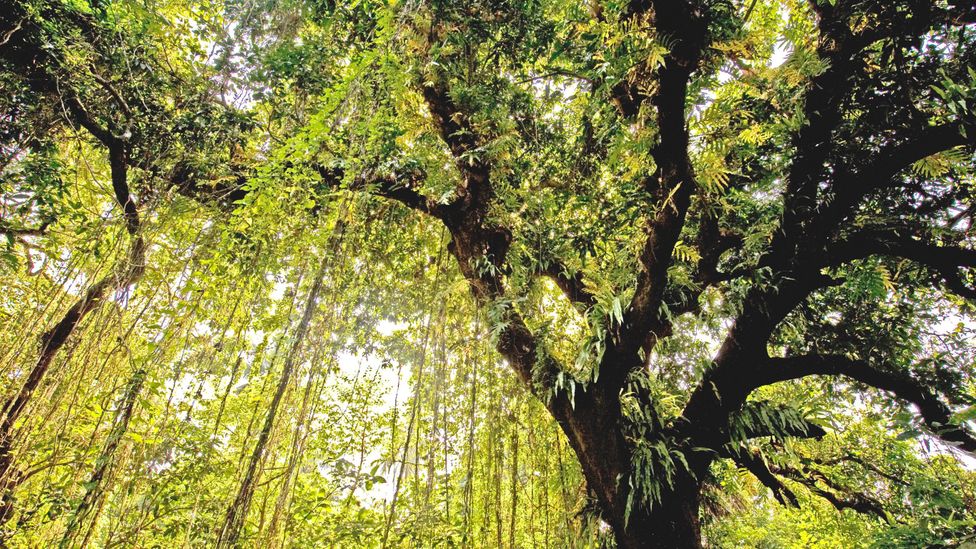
(487,274)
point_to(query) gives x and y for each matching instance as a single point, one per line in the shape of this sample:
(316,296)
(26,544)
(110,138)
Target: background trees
(282,260)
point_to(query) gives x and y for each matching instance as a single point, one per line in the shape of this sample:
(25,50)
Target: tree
(671,213)
(40,72)
(879,99)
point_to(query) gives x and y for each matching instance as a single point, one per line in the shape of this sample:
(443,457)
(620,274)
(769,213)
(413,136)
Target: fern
(940,164)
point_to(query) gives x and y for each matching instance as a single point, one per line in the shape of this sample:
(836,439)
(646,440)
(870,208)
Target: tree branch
(754,462)
(398,186)
(838,49)
(475,192)
(712,243)
(851,458)
(570,284)
(481,247)
(897,243)
(23,231)
(945,260)
(854,501)
(936,414)
(673,183)
(80,115)
(877,174)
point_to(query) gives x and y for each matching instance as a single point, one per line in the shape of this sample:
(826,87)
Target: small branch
(570,284)
(954,283)
(557,72)
(24,231)
(851,458)
(113,92)
(754,462)
(712,244)
(838,496)
(11,32)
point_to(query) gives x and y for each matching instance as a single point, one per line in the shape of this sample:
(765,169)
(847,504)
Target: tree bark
(674,525)
(672,522)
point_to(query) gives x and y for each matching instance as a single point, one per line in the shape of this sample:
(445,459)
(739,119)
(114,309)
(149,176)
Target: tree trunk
(127,272)
(594,428)
(230,531)
(672,524)
(103,465)
(123,275)
(590,416)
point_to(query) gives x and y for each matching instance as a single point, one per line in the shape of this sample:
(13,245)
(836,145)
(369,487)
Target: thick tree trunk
(591,417)
(672,523)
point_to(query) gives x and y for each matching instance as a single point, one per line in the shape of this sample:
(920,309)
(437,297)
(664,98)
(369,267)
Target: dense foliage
(498,273)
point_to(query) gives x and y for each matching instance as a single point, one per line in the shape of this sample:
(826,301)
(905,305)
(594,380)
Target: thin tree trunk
(515,450)
(296,450)
(125,274)
(413,414)
(406,445)
(469,474)
(237,513)
(316,377)
(498,453)
(103,464)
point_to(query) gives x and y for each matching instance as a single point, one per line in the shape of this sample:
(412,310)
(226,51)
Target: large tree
(664,208)
(720,143)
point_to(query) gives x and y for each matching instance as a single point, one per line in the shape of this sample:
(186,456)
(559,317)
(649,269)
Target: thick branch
(455,129)
(712,243)
(80,115)
(936,414)
(945,260)
(891,160)
(400,187)
(838,49)
(125,273)
(570,284)
(118,159)
(673,183)
(896,243)
(480,248)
